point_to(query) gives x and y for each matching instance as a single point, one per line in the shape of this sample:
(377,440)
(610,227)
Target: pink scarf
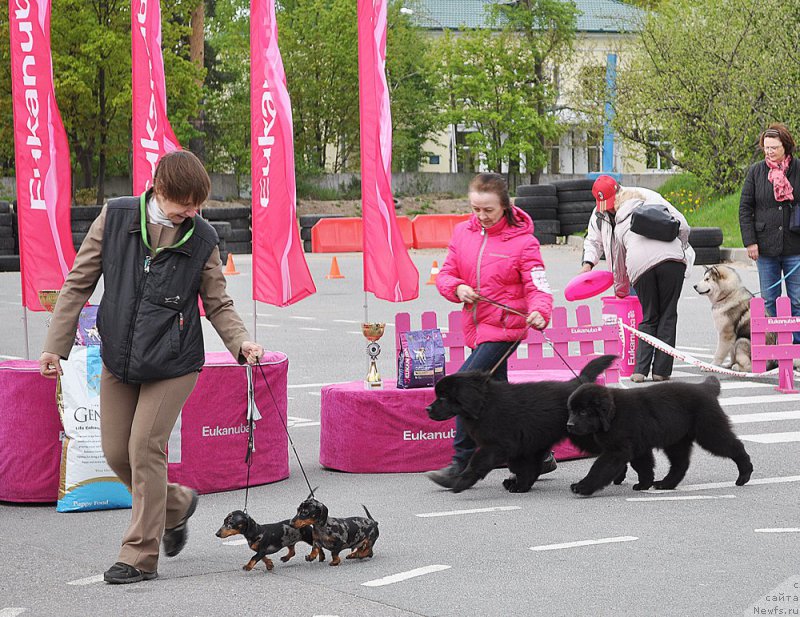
(780,183)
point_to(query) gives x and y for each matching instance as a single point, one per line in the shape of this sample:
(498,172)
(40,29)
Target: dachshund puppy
(264,539)
(336,534)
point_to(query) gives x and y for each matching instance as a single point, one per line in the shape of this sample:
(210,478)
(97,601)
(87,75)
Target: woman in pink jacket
(492,256)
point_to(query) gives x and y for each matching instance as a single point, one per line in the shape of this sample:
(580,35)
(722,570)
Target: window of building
(594,150)
(655,160)
(554,159)
(433,159)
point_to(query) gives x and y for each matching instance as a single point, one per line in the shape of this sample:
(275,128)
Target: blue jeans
(770,270)
(483,358)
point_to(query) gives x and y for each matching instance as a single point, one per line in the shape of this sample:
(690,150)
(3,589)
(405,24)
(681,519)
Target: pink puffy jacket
(502,263)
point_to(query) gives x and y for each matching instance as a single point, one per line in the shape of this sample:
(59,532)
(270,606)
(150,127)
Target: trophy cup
(372,332)
(48,298)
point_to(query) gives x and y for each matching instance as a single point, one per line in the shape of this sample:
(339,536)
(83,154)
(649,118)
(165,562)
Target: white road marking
(710,485)
(236,542)
(89,580)
(269,325)
(315,394)
(742,385)
(12,611)
(314,329)
(681,498)
(300,317)
(10,358)
(766,530)
(752,400)
(768,416)
(473,511)
(402,576)
(773,437)
(684,348)
(345,321)
(554,547)
(310,385)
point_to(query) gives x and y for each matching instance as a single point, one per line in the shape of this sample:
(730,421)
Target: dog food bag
(86,481)
(421,360)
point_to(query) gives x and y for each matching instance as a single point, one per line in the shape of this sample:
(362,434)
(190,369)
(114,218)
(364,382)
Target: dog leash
(779,281)
(252,411)
(524,334)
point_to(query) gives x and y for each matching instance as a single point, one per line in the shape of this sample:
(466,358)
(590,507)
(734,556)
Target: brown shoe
(660,377)
(638,378)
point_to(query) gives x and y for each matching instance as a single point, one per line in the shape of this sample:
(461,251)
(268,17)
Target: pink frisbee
(588,284)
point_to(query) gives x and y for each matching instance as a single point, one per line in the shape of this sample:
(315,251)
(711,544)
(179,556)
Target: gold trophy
(48,298)
(372,332)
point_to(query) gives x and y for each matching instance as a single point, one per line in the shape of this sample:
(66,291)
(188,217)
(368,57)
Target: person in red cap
(654,268)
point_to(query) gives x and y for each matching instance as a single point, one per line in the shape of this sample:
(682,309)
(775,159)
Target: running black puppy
(627,424)
(264,539)
(336,534)
(517,423)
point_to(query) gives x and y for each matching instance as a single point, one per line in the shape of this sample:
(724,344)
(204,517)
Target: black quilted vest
(149,320)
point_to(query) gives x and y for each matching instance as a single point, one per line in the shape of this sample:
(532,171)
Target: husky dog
(730,307)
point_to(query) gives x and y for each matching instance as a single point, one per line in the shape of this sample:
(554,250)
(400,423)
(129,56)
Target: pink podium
(388,430)
(206,451)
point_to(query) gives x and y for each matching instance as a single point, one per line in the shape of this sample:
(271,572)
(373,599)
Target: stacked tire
(540,202)
(706,242)
(81,219)
(575,204)
(307,221)
(239,240)
(9,247)
(224,231)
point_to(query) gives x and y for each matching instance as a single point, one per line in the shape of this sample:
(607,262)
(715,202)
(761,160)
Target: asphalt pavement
(708,548)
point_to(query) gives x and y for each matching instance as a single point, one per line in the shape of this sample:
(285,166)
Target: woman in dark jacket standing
(770,189)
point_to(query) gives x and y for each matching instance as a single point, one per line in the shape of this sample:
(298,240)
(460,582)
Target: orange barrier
(433,231)
(342,235)
(334,273)
(345,235)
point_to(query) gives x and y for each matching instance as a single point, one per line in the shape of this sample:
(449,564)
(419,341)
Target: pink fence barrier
(533,353)
(784,351)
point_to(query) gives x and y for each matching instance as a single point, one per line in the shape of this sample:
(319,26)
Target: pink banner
(389,272)
(41,153)
(152,133)
(280,272)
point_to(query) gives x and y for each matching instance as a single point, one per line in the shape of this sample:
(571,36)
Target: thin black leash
(779,281)
(524,334)
(251,444)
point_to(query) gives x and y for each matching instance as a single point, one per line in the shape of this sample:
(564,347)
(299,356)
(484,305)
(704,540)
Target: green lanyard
(143,209)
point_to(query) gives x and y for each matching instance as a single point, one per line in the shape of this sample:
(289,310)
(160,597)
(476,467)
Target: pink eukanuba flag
(41,154)
(389,272)
(280,272)
(152,133)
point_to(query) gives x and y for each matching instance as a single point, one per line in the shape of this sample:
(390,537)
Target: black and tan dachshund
(265,539)
(336,534)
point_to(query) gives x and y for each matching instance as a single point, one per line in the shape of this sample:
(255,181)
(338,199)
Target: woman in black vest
(156,258)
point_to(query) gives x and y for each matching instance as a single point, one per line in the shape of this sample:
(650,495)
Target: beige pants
(135,424)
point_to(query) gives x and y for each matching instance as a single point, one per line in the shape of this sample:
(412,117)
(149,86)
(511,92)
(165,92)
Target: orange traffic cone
(334,273)
(229,267)
(434,272)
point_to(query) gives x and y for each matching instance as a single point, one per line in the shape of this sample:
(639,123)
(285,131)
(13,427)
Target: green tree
(708,77)
(502,82)
(91,49)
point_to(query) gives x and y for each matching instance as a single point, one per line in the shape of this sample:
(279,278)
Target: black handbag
(655,221)
(794,218)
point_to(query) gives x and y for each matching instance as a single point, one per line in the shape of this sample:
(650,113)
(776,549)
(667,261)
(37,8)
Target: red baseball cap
(605,190)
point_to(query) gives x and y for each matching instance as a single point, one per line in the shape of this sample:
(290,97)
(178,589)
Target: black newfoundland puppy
(514,423)
(625,425)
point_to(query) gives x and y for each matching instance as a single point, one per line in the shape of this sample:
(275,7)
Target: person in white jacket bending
(654,268)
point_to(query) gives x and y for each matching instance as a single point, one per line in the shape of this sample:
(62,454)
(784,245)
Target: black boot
(446,477)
